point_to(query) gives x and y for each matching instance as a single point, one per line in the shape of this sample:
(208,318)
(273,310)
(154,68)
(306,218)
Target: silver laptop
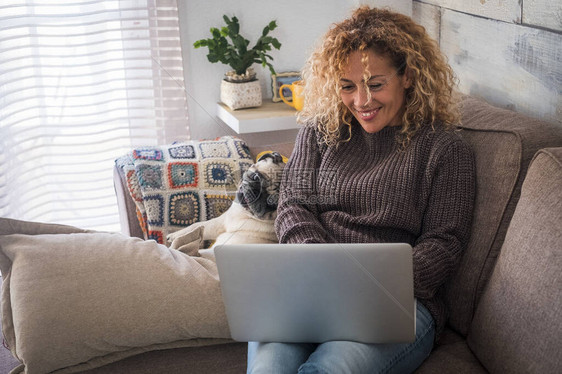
(318,292)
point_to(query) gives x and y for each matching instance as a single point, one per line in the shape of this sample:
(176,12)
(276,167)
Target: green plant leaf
(233,26)
(216,33)
(240,44)
(212,58)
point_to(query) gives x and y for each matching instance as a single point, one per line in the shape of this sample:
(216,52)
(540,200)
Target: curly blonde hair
(429,100)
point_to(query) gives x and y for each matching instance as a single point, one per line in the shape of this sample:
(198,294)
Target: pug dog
(252,214)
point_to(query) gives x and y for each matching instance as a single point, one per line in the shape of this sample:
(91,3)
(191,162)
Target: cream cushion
(80,300)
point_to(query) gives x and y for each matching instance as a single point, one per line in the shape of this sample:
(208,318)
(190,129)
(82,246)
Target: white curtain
(81,82)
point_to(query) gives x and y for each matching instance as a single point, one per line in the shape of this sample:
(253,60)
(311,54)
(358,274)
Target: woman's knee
(277,358)
(312,368)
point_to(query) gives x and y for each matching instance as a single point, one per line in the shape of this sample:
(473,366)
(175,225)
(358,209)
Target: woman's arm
(297,211)
(447,219)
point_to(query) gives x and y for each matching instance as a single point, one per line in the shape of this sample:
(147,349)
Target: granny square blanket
(176,185)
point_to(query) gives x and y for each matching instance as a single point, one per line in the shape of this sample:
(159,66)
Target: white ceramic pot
(241,95)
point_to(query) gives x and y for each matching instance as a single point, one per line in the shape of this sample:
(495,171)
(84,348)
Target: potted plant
(240,87)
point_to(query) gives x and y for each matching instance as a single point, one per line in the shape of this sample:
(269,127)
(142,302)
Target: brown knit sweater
(369,190)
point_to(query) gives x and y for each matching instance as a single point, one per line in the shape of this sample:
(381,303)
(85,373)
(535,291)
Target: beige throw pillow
(70,299)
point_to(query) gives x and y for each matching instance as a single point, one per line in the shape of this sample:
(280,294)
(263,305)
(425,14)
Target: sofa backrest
(503,143)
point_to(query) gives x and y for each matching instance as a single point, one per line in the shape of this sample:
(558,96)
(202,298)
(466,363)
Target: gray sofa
(505,299)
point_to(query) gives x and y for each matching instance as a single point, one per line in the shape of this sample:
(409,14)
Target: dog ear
(277,158)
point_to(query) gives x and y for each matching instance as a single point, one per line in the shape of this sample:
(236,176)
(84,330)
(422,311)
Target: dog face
(258,191)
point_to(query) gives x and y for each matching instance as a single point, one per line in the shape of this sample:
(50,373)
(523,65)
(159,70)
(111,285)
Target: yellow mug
(297,89)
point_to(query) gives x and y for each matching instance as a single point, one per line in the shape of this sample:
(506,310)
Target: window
(81,82)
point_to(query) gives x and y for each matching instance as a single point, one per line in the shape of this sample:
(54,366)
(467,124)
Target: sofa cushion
(503,143)
(7,360)
(14,226)
(451,355)
(211,359)
(517,327)
(75,300)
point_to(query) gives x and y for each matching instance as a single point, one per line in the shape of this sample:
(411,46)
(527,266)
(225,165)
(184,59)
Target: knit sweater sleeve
(447,218)
(297,214)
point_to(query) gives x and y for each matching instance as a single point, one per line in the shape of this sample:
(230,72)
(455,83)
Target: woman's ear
(407,78)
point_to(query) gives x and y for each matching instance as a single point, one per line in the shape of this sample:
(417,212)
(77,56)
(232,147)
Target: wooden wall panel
(544,13)
(508,65)
(429,16)
(401,6)
(505,10)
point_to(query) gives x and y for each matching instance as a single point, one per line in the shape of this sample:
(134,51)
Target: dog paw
(173,236)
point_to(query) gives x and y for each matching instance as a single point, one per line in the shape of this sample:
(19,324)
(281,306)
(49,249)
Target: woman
(377,162)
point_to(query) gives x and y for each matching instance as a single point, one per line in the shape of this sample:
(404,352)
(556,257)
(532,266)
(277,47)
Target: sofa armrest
(126,206)
(517,326)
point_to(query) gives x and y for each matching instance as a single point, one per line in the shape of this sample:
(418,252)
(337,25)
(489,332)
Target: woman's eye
(375,86)
(347,88)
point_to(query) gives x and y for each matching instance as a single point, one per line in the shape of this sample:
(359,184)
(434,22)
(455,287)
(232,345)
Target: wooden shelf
(268,117)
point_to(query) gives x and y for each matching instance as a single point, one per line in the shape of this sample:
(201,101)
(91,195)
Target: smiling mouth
(368,114)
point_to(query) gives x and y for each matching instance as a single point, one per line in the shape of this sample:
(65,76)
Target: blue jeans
(344,357)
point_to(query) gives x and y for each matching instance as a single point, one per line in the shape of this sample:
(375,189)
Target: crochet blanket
(176,185)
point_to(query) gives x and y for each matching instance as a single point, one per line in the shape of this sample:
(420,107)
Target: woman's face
(387,100)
